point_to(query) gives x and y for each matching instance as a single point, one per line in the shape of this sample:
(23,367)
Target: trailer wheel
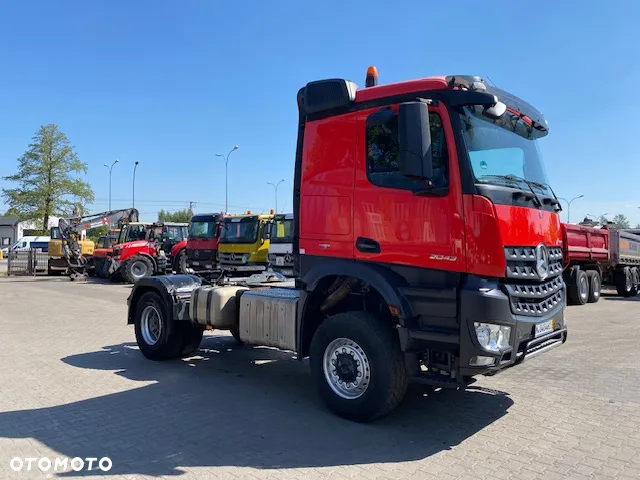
(357,366)
(595,285)
(578,288)
(635,281)
(624,282)
(137,267)
(152,325)
(191,338)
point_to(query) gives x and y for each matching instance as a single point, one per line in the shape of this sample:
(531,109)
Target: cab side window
(382,154)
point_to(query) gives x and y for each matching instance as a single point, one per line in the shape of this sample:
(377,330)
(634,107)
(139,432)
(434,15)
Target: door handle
(367,245)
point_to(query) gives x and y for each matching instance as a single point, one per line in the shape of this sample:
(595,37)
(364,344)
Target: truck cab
(281,244)
(244,244)
(202,244)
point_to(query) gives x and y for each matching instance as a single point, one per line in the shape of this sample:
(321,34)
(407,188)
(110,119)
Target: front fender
(175,291)
(384,280)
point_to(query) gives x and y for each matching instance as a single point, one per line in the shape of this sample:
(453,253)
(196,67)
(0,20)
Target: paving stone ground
(72,384)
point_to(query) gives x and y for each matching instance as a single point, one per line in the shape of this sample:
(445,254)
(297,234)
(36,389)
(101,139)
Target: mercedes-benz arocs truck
(427,246)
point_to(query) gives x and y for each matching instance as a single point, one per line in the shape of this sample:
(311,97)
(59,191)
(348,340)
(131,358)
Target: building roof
(9,221)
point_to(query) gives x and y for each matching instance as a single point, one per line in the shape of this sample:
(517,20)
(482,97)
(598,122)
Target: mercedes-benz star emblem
(542,261)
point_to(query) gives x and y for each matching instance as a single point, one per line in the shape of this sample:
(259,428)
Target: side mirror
(414,138)
(495,111)
(266,233)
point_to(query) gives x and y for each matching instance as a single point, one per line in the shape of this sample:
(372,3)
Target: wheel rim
(151,325)
(596,286)
(628,282)
(584,287)
(183,263)
(346,368)
(139,269)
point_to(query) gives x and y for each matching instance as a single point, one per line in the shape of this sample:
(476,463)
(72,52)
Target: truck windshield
(282,231)
(502,150)
(203,229)
(244,231)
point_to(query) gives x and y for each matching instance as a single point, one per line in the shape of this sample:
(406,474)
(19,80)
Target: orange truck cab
(426,242)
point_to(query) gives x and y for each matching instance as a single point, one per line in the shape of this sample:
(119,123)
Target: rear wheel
(357,366)
(154,335)
(137,267)
(578,288)
(595,285)
(624,282)
(635,281)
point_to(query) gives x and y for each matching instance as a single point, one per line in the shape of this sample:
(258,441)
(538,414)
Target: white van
(25,243)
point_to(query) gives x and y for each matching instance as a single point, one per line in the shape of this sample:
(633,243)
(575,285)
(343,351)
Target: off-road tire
(595,285)
(180,262)
(624,282)
(130,265)
(388,373)
(170,342)
(578,288)
(191,338)
(51,272)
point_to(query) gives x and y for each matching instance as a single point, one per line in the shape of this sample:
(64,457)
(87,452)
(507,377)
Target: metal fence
(27,262)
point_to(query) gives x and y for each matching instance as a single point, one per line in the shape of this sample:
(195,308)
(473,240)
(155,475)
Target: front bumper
(485,301)
(249,267)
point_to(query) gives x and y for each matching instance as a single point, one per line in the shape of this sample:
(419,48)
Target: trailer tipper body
(595,256)
(426,242)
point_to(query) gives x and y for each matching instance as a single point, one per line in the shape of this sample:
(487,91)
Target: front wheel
(357,366)
(154,335)
(136,267)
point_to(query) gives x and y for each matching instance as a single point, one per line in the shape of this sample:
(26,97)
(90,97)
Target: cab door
(394,225)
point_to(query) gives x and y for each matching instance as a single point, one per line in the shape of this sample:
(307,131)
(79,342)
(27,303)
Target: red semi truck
(202,244)
(427,246)
(595,256)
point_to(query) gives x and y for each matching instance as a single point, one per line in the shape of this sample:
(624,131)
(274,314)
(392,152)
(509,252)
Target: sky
(171,83)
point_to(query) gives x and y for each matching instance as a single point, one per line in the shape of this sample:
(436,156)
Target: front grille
(201,255)
(231,258)
(521,262)
(530,294)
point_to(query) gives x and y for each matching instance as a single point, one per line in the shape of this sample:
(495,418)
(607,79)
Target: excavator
(70,237)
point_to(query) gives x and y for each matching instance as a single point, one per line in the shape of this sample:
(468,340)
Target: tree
(45,178)
(621,221)
(180,216)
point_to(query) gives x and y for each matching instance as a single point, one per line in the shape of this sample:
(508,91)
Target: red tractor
(146,255)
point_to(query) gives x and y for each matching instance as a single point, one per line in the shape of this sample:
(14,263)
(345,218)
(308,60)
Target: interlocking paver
(72,384)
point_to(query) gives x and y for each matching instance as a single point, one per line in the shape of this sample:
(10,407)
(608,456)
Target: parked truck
(596,256)
(281,244)
(202,244)
(244,244)
(427,246)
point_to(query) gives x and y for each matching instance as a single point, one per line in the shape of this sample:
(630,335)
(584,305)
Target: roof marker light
(372,77)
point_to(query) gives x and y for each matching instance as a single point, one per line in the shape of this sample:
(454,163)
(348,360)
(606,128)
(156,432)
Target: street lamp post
(569,205)
(275,186)
(110,169)
(133,201)
(226,185)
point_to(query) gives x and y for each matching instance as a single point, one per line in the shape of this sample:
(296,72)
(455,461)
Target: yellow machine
(244,243)
(57,261)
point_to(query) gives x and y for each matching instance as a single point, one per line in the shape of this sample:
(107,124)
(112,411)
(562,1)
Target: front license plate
(279,260)
(544,328)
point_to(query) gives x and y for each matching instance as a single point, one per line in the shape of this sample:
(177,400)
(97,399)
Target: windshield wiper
(529,184)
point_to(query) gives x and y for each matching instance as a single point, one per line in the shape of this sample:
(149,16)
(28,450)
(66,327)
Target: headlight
(492,337)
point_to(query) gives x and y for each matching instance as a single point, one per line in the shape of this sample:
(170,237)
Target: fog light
(481,361)
(492,337)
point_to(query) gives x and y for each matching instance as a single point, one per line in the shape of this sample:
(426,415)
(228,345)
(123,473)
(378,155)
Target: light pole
(275,186)
(133,201)
(569,206)
(226,187)
(110,169)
